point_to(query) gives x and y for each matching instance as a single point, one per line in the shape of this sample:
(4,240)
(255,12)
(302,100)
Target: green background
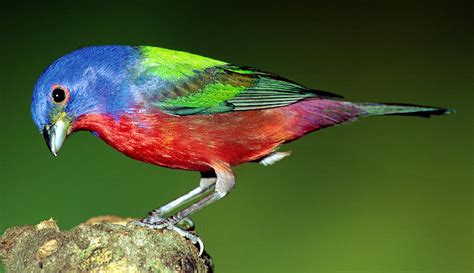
(385,194)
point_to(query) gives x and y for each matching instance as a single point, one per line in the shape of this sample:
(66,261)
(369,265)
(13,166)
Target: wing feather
(190,84)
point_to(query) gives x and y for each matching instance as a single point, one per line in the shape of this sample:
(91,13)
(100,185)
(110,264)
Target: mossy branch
(102,244)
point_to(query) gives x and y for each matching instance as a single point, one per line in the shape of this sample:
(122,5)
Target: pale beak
(55,134)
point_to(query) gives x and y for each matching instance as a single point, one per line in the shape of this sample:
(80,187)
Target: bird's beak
(56,133)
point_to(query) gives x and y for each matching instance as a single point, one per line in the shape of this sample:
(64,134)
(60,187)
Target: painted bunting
(184,111)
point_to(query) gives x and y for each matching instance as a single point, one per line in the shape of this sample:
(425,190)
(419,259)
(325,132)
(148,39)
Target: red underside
(196,142)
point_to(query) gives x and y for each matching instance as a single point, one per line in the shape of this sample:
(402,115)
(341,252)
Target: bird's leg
(207,182)
(224,184)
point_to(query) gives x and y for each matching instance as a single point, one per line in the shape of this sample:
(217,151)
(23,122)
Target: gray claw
(192,237)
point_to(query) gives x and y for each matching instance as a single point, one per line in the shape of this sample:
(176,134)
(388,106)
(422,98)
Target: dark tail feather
(400,109)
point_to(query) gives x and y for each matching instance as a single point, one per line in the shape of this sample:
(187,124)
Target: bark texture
(102,244)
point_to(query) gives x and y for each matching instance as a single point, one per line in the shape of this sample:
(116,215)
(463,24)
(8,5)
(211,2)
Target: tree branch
(100,244)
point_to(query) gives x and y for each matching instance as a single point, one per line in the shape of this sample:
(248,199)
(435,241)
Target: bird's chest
(148,138)
(188,142)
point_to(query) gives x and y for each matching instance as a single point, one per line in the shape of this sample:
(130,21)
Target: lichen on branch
(102,244)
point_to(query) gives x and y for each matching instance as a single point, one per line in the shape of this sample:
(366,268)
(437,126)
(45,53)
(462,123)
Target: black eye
(59,95)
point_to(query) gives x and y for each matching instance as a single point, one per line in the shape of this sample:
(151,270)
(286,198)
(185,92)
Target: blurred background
(384,194)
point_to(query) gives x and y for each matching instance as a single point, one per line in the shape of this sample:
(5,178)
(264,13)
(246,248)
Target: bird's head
(87,81)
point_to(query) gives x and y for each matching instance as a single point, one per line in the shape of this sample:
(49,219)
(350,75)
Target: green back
(200,85)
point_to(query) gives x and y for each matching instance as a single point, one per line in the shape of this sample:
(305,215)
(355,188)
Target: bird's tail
(400,109)
(311,115)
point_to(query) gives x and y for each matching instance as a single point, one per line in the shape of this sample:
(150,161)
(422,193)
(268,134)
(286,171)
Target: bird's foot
(154,219)
(183,227)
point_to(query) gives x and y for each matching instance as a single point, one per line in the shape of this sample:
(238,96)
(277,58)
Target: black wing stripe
(266,101)
(267,92)
(245,108)
(259,103)
(257,97)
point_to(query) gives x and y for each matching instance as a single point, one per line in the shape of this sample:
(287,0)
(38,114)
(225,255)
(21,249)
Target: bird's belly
(190,142)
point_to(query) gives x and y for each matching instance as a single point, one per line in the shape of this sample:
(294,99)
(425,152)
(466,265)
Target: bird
(184,111)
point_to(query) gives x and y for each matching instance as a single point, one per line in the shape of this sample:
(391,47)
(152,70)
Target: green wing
(199,85)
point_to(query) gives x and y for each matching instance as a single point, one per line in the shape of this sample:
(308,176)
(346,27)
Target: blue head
(92,80)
